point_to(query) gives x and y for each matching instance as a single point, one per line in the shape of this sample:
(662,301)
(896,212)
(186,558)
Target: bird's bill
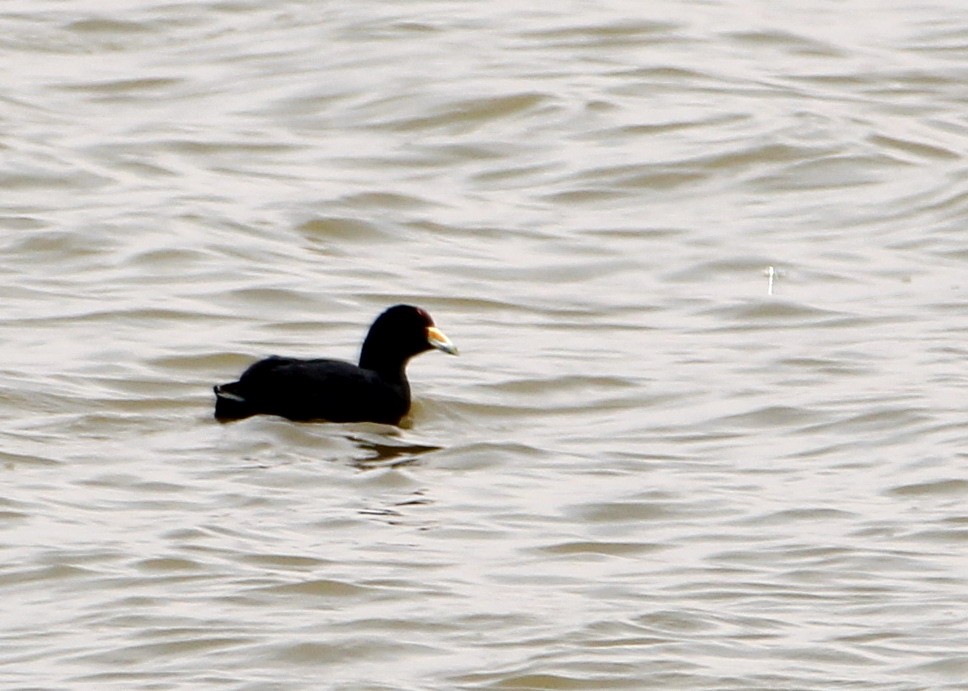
(437,339)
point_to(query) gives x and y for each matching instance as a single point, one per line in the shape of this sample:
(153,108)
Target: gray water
(653,466)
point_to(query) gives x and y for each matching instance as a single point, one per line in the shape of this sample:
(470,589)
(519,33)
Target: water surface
(649,468)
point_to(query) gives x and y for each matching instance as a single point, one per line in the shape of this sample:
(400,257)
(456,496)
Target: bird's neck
(389,367)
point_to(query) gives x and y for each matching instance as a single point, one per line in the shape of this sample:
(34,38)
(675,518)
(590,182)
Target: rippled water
(650,468)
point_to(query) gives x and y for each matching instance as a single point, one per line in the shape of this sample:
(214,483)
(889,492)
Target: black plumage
(376,390)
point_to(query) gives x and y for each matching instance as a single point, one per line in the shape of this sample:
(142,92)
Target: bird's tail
(230,404)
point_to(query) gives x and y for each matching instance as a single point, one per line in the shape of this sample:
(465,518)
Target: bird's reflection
(384,455)
(393,513)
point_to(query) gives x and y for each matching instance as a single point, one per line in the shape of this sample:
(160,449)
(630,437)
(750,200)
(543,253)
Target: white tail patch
(222,393)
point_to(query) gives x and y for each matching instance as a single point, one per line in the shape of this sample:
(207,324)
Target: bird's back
(319,389)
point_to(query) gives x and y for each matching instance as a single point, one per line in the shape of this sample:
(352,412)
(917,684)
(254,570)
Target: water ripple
(657,463)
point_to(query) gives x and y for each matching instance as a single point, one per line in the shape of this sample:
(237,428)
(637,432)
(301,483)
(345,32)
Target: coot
(335,391)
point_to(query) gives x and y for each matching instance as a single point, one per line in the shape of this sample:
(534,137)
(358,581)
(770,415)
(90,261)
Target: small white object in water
(770,272)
